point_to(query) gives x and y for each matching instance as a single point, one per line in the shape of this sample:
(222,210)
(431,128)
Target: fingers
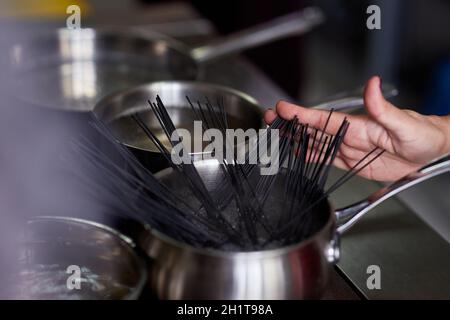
(345,152)
(269,116)
(378,108)
(356,135)
(313,117)
(382,111)
(373,98)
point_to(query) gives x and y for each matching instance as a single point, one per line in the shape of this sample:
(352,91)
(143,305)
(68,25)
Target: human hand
(409,138)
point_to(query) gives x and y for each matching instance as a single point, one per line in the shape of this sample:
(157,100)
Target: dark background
(411,50)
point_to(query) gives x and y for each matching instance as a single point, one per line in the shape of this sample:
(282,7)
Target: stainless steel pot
(109,266)
(115,110)
(73,69)
(299,271)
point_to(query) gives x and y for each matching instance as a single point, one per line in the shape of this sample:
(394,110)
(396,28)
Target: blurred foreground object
(39,9)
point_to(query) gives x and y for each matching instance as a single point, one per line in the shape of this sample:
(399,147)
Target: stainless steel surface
(413,259)
(242,111)
(238,73)
(109,266)
(73,69)
(296,23)
(431,202)
(353,99)
(348,216)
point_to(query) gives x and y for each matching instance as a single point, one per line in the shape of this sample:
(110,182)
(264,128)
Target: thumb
(382,111)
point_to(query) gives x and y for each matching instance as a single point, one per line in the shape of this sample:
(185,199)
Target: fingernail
(381,83)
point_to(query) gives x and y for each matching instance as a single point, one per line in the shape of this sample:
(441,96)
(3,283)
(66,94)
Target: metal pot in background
(242,110)
(72,70)
(105,261)
(299,271)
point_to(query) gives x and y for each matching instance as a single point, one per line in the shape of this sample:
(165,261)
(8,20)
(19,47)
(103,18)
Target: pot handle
(347,216)
(292,24)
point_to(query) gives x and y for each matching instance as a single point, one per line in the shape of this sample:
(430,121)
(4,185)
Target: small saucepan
(65,258)
(115,110)
(299,271)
